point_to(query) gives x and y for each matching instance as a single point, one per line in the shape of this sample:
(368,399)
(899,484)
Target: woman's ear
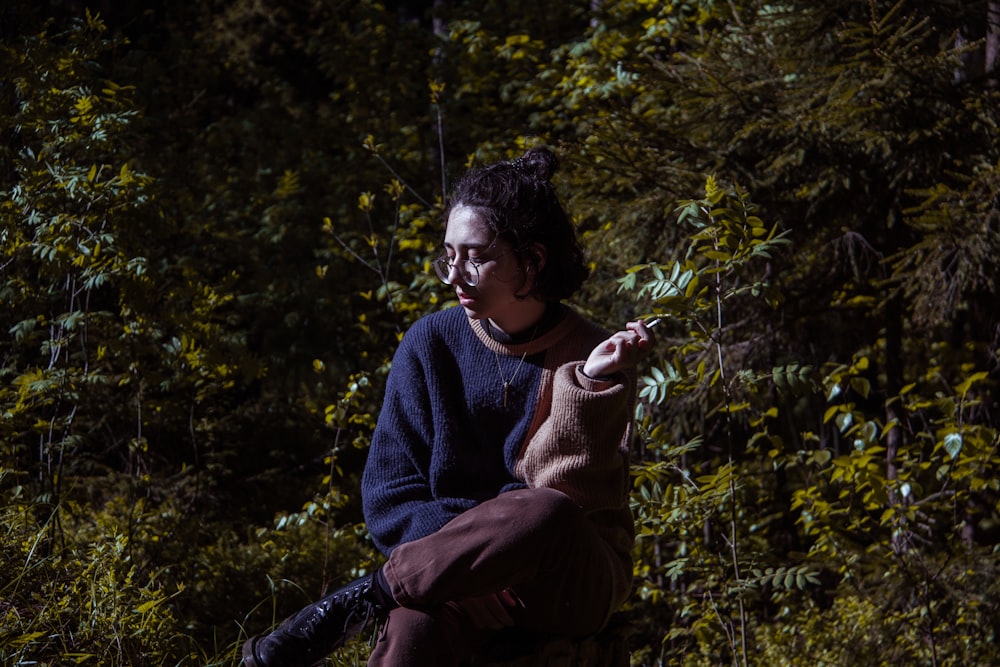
(533,262)
(539,254)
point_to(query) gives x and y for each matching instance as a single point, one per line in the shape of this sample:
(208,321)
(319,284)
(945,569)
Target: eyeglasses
(468,269)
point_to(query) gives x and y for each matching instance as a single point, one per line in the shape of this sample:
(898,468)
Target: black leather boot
(310,635)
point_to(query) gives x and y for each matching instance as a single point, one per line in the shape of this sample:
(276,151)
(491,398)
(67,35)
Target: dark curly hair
(517,201)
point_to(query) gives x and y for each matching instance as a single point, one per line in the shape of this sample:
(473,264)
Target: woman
(497,478)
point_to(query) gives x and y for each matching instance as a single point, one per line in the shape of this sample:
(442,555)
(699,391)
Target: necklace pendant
(506,386)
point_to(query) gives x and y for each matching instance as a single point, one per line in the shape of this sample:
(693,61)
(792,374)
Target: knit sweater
(446,439)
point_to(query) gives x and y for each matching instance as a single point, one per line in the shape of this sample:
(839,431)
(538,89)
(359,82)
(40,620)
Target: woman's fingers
(623,349)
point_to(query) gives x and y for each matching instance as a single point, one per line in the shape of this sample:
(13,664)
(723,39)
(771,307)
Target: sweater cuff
(592,383)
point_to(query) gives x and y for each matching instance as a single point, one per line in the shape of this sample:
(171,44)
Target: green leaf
(963,388)
(869,432)
(953,444)
(844,421)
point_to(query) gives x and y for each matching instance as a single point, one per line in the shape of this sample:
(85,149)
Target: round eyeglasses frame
(468,269)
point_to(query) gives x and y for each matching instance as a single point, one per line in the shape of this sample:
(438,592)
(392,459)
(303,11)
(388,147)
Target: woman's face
(467,237)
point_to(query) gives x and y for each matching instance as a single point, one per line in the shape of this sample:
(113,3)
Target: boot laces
(350,601)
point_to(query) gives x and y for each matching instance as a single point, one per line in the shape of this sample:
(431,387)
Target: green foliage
(850,529)
(87,602)
(70,232)
(954,220)
(203,277)
(678,502)
(118,352)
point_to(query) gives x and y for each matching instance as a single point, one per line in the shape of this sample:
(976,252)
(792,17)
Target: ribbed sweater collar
(564,321)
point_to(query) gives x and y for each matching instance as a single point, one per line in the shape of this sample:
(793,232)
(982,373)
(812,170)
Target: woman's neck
(545,316)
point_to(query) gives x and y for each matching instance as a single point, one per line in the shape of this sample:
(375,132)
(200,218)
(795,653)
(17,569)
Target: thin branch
(355,255)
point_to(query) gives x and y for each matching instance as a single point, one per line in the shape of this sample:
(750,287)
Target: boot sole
(250,659)
(248,653)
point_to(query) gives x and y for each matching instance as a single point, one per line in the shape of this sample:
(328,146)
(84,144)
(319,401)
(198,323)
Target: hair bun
(539,162)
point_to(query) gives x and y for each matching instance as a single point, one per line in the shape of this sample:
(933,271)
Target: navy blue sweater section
(445,441)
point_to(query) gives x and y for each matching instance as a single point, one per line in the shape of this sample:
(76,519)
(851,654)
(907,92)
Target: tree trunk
(981,64)
(992,42)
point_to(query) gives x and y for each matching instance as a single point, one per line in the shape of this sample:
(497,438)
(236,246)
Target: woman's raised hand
(623,350)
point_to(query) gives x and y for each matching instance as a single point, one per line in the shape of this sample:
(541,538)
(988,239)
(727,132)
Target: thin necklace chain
(517,369)
(506,382)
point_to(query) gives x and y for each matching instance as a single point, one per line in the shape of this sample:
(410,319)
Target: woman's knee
(431,636)
(543,509)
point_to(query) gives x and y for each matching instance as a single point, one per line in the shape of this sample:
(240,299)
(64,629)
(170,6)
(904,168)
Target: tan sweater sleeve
(581,448)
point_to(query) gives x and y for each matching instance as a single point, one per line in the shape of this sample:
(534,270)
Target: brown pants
(536,542)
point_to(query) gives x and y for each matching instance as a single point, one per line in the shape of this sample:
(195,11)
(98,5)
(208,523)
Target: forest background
(216,222)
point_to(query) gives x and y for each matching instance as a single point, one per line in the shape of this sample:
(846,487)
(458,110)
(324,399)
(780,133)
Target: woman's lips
(465,299)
